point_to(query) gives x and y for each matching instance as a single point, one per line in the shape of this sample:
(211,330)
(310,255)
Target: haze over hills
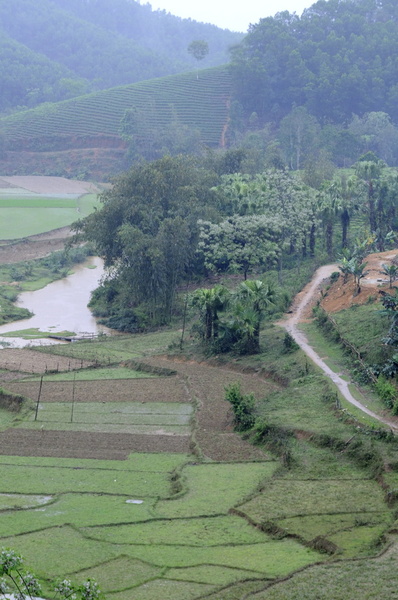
(295,89)
(52,50)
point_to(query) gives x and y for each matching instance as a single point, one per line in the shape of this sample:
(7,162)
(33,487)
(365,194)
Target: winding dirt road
(302,302)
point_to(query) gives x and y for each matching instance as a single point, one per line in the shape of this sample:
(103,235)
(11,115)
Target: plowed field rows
(29,361)
(168,389)
(84,444)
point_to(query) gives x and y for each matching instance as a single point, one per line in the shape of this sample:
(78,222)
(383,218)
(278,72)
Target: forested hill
(338,59)
(77,46)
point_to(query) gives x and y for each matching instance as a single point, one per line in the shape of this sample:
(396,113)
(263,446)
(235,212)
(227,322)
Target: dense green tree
(146,231)
(239,244)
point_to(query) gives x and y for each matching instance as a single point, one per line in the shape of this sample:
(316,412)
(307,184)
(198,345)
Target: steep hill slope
(198,101)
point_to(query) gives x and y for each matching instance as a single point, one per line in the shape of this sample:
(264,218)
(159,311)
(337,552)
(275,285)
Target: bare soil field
(37,246)
(76,444)
(29,361)
(168,389)
(49,185)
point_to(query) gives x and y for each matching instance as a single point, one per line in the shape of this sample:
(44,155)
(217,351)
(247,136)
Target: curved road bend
(291,325)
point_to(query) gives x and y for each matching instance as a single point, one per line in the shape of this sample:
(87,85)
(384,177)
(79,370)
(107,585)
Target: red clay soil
(341,296)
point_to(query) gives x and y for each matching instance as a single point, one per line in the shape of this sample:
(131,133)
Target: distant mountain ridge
(78,46)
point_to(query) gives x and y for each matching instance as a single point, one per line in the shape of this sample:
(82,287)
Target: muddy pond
(60,306)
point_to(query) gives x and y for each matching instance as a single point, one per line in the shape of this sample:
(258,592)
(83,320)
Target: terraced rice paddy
(142,483)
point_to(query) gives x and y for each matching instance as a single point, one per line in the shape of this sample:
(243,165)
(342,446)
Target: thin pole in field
(38,399)
(73,397)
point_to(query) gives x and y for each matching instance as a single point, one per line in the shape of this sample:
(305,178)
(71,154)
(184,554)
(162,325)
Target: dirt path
(303,301)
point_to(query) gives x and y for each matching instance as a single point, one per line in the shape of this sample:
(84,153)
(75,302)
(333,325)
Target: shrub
(242,405)
(386,391)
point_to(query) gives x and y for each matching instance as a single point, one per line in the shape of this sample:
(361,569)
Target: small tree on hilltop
(198,49)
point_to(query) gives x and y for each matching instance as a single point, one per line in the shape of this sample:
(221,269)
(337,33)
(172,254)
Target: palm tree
(258,296)
(210,302)
(357,269)
(391,271)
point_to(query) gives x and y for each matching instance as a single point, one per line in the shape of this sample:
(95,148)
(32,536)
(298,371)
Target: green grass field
(25,215)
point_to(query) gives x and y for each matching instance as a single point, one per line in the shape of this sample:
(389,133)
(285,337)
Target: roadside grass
(214,488)
(340,363)
(364,326)
(370,579)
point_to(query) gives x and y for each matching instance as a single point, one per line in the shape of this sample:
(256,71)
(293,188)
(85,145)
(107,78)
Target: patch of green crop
(67,415)
(212,574)
(35,201)
(23,479)
(215,488)
(156,463)
(88,510)
(115,349)
(313,462)
(121,574)
(214,531)
(310,527)
(87,203)
(370,579)
(274,558)
(17,223)
(184,430)
(365,540)
(239,590)
(165,590)
(51,553)
(94,374)
(314,497)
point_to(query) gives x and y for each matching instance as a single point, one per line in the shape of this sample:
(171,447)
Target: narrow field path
(301,304)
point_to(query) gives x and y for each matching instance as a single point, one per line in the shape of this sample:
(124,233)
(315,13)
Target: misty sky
(235,16)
